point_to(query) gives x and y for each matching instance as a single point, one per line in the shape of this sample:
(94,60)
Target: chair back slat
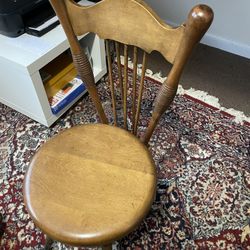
(144,28)
(138,110)
(111,82)
(125,86)
(134,83)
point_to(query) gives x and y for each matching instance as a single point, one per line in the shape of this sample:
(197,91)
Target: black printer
(19,16)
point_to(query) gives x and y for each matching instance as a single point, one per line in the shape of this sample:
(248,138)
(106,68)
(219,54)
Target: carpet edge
(239,116)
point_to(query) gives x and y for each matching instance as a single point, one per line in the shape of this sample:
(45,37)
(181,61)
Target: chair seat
(90,185)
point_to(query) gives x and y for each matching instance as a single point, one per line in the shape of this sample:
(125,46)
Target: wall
(230,30)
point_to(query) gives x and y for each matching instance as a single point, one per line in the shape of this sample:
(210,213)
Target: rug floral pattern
(203,166)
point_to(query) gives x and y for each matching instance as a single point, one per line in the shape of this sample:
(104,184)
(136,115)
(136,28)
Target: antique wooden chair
(93,184)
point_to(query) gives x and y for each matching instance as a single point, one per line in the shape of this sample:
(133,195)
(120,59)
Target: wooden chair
(93,184)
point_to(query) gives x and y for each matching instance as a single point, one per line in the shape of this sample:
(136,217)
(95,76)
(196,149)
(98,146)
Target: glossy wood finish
(109,19)
(90,185)
(98,181)
(199,20)
(81,61)
(134,87)
(125,87)
(138,110)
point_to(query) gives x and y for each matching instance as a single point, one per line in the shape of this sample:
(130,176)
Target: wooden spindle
(118,56)
(125,85)
(144,62)
(135,61)
(111,82)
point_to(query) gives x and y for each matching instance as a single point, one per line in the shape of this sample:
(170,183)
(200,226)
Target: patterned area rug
(203,164)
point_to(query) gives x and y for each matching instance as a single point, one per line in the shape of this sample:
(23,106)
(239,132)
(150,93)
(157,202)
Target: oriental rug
(203,165)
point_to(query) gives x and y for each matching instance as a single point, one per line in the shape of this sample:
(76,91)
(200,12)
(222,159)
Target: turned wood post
(199,20)
(81,61)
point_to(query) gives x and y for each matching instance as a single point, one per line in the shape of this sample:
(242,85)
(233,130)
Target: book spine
(68,99)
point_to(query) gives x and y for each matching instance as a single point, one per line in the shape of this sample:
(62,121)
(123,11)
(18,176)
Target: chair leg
(48,243)
(108,247)
(1,226)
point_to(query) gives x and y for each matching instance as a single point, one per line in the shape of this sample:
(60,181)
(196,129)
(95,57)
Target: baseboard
(227,45)
(223,44)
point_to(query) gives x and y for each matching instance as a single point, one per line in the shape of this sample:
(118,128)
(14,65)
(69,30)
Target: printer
(19,16)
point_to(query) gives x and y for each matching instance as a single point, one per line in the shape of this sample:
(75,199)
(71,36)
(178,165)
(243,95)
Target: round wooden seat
(90,185)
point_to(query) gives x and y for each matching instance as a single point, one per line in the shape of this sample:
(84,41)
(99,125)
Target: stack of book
(62,85)
(66,95)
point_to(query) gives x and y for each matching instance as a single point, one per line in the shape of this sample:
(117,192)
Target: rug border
(225,113)
(236,115)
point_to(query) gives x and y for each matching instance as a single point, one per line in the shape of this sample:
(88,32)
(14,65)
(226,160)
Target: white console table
(21,58)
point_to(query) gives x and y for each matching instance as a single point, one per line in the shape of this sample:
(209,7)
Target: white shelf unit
(21,58)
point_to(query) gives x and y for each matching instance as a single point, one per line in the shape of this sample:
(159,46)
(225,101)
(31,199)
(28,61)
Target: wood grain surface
(133,23)
(93,184)
(114,19)
(90,185)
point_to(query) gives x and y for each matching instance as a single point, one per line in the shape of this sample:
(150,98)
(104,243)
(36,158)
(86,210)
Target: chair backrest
(132,23)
